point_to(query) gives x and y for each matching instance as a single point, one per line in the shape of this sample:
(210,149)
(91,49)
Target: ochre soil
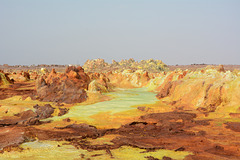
(178,131)
(24,89)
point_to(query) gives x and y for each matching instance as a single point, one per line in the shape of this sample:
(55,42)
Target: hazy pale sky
(72,31)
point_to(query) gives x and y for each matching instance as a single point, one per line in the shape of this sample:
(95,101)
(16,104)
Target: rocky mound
(20,76)
(29,117)
(68,87)
(129,78)
(4,79)
(99,83)
(99,65)
(206,89)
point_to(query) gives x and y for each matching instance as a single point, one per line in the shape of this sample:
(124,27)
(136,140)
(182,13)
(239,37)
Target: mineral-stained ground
(120,110)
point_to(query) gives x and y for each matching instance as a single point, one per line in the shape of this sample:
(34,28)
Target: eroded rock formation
(99,83)
(29,117)
(99,65)
(21,76)
(129,78)
(4,79)
(68,87)
(206,89)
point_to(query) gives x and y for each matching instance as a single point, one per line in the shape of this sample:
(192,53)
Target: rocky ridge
(99,65)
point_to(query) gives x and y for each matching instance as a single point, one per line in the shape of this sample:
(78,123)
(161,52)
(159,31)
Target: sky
(72,31)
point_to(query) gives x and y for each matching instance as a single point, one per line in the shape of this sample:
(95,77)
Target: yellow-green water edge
(123,101)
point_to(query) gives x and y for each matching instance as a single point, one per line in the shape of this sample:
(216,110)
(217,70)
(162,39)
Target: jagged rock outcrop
(99,65)
(207,89)
(129,79)
(123,74)
(44,111)
(4,79)
(68,87)
(33,75)
(63,111)
(95,64)
(99,83)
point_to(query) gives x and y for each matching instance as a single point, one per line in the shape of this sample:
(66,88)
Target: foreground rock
(12,136)
(171,130)
(68,87)
(176,131)
(29,117)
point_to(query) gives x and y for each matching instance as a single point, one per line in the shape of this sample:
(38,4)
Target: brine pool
(123,100)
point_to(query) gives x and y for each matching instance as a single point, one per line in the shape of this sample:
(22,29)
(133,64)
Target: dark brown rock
(144,109)
(235,126)
(63,111)
(44,111)
(68,87)
(166,158)
(29,117)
